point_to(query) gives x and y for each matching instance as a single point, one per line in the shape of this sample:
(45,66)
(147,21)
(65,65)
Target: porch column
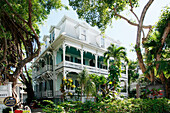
(54,74)
(54,58)
(127,78)
(96,57)
(81,58)
(127,70)
(64,74)
(108,64)
(64,54)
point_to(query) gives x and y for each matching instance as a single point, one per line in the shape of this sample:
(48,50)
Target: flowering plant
(156,92)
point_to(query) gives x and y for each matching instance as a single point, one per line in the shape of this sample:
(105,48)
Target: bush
(6,110)
(161,105)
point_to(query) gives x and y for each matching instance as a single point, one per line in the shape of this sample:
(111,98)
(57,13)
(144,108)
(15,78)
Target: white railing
(90,68)
(79,66)
(124,94)
(72,64)
(123,75)
(58,93)
(49,67)
(103,71)
(49,93)
(38,94)
(59,65)
(44,94)
(43,69)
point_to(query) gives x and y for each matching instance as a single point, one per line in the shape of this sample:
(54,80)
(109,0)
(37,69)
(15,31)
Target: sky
(119,30)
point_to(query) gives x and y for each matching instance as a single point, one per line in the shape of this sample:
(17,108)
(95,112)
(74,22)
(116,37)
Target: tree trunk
(30,93)
(81,93)
(14,93)
(138,39)
(165,82)
(137,91)
(167,88)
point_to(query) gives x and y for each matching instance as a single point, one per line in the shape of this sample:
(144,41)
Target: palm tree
(90,87)
(117,53)
(82,78)
(87,85)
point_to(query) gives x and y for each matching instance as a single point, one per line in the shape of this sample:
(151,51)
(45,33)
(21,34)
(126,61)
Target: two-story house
(70,47)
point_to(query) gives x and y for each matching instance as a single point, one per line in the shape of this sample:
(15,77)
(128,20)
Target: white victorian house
(71,47)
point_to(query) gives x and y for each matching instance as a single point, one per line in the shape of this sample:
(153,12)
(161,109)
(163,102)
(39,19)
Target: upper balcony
(78,66)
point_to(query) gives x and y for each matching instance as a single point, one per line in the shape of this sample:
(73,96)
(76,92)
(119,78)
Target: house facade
(70,47)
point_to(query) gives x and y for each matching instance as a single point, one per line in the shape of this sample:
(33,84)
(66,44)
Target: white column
(96,56)
(54,59)
(81,58)
(127,78)
(108,64)
(64,74)
(9,88)
(127,70)
(64,54)
(54,74)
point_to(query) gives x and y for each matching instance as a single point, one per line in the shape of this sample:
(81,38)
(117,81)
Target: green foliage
(132,93)
(133,74)
(118,53)
(153,93)
(6,110)
(98,80)
(78,92)
(86,84)
(100,12)
(49,107)
(113,77)
(154,45)
(161,105)
(19,32)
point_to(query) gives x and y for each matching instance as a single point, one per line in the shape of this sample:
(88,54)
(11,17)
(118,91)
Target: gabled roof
(45,37)
(52,27)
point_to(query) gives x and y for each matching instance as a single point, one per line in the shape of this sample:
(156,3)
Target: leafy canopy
(19,32)
(100,12)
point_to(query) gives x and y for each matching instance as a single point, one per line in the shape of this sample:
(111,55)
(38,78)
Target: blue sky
(120,29)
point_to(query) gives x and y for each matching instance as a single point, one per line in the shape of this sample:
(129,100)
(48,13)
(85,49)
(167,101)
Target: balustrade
(78,66)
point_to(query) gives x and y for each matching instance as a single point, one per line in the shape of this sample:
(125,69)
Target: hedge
(161,105)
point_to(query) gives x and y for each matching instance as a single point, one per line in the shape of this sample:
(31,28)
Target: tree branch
(132,23)
(15,12)
(135,15)
(5,47)
(30,11)
(138,50)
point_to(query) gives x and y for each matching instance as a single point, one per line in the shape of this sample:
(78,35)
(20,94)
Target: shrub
(161,105)
(6,110)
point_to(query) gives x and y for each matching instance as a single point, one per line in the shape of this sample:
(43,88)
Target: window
(40,87)
(67,58)
(91,62)
(53,35)
(77,60)
(43,63)
(51,84)
(50,38)
(61,57)
(45,44)
(83,35)
(102,42)
(71,59)
(76,83)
